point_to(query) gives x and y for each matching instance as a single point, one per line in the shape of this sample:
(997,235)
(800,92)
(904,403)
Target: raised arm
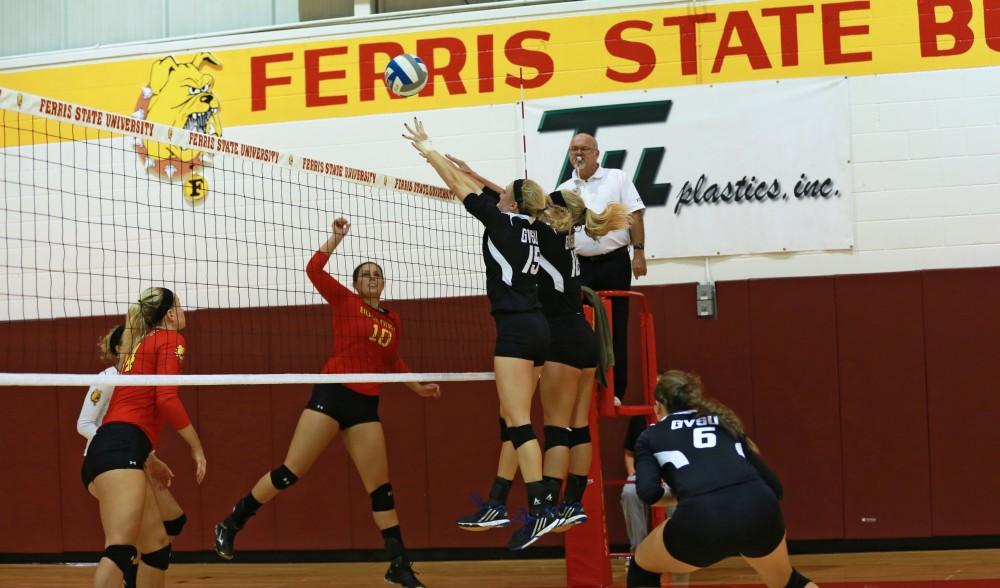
(327,286)
(460,184)
(340,227)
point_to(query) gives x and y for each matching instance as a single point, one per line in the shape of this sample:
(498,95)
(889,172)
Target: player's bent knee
(123,556)
(382,498)
(159,559)
(556,437)
(175,526)
(521,435)
(579,436)
(282,477)
(797,580)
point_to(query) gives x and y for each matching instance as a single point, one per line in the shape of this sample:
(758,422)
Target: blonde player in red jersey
(113,470)
(95,406)
(366,341)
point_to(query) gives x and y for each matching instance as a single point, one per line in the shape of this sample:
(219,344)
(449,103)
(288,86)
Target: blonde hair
(108,344)
(574,213)
(677,390)
(143,315)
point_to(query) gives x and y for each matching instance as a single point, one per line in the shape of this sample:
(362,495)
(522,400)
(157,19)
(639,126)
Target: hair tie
(519,194)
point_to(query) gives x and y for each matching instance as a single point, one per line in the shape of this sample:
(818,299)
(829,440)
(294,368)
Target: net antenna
(97,206)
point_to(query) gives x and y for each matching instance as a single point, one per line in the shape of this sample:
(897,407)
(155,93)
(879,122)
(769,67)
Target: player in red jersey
(113,470)
(95,405)
(366,341)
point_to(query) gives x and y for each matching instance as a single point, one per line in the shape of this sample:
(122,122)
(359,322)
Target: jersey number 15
(531,266)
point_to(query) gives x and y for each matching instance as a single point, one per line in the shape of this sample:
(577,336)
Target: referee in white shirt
(605,262)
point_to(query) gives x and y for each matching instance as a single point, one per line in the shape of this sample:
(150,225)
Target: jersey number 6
(704,437)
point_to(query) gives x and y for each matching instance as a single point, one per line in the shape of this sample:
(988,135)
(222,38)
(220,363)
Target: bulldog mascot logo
(179,95)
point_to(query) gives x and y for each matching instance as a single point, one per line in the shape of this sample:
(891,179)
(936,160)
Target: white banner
(754,167)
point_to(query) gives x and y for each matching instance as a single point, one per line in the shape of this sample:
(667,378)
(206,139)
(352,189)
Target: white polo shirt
(605,187)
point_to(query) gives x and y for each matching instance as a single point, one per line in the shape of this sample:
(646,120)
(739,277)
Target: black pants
(613,271)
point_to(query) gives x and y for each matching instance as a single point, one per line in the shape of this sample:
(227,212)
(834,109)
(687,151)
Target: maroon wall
(872,396)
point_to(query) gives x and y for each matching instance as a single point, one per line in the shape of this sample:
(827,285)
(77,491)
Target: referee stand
(588,555)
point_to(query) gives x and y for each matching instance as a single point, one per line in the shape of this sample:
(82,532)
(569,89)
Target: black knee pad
(797,580)
(382,499)
(124,558)
(579,436)
(638,577)
(504,433)
(282,477)
(521,435)
(556,437)
(175,526)
(159,559)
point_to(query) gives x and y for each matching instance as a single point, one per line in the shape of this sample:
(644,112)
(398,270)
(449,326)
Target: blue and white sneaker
(534,527)
(570,515)
(489,516)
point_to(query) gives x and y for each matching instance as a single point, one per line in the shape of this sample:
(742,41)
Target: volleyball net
(96,206)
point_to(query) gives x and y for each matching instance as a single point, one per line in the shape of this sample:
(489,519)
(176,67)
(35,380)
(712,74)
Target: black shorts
(574,343)
(524,335)
(116,446)
(344,405)
(739,520)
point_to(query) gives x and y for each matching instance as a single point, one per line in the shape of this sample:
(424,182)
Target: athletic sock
(244,509)
(393,540)
(552,488)
(575,486)
(499,491)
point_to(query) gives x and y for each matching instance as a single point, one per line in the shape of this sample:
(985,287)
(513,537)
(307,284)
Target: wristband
(638,246)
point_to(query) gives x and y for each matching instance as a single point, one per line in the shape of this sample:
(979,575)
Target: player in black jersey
(567,379)
(727,497)
(512,257)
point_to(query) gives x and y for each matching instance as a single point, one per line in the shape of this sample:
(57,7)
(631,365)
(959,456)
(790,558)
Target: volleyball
(406,75)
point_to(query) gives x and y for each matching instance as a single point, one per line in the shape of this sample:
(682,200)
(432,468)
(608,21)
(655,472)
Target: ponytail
(677,390)
(570,211)
(143,315)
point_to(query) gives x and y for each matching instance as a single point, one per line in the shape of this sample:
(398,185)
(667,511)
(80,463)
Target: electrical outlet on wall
(705,299)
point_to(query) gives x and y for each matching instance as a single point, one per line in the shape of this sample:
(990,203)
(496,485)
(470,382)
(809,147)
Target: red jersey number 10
(380,335)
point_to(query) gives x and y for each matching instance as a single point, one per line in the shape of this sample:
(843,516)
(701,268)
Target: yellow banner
(487,64)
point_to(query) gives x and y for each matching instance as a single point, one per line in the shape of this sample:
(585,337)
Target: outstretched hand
(341,226)
(417,136)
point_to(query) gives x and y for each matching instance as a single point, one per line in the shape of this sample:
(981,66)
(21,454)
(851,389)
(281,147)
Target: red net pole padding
(588,557)
(588,562)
